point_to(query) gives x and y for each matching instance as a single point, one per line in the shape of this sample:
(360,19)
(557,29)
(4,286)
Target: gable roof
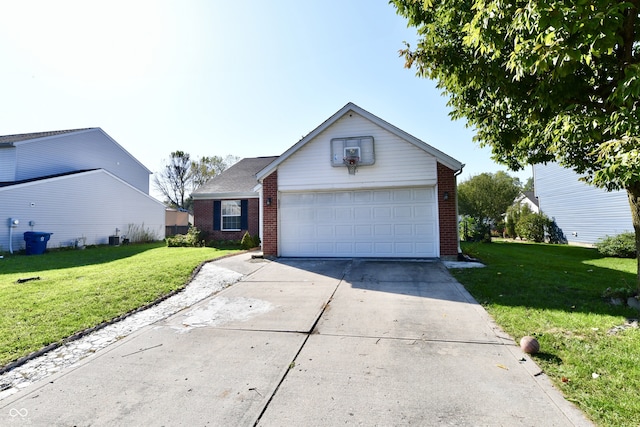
(10,139)
(531,195)
(237,181)
(441,157)
(42,178)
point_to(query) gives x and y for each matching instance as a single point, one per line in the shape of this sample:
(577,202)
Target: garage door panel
(342,214)
(382,214)
(362,213)
(362,197)
(324,198)
(425,231)
(381,196)
(364,231)
(383,230)
(324,215)
(403,230)
(402,196)
(403,212)
(383,223)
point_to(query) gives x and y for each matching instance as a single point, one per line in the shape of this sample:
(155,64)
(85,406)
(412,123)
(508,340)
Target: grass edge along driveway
(554,292)
(75,290)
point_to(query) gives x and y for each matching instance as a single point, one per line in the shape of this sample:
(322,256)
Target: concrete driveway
(308,343)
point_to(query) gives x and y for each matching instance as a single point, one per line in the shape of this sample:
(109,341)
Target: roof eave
(230,195)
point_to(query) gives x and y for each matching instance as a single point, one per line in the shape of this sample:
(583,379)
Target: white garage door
(371,223)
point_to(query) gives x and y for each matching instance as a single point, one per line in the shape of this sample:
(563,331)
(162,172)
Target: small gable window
(230,215)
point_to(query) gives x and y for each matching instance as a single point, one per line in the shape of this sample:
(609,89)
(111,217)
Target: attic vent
(363,144)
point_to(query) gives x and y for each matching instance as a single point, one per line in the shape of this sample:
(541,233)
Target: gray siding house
(584,213)
(76,184)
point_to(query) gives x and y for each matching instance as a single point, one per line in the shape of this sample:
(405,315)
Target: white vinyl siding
(91,204)
(386,222)
(7,164)
(82,150)
(397,162)
(583,212)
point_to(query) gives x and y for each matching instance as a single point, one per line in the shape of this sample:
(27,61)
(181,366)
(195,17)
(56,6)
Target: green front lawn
(554,293)
(79,289)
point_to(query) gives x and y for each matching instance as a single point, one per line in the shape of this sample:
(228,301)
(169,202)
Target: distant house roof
(532,197)
(10,139)
(237,181)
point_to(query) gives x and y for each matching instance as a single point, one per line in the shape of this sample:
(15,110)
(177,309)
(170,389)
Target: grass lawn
(79,289)
(554,292)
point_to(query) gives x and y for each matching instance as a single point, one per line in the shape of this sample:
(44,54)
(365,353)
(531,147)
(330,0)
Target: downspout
(455,182)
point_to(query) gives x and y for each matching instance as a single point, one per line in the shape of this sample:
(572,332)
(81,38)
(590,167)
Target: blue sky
(215,77)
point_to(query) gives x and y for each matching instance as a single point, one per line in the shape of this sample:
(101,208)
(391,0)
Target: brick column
(270,215)
(447,213)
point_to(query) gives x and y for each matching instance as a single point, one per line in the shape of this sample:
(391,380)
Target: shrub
(512,218)
(256,241)
(532,227)
(191,239)
(620,246)
(247,241)
(472,230)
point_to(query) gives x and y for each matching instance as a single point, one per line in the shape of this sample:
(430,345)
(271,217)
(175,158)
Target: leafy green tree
(487,196)
(540,81)
(180,176)
(206,168)
(529,185)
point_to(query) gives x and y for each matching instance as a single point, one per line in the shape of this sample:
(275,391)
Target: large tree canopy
(540,81)
(487,196)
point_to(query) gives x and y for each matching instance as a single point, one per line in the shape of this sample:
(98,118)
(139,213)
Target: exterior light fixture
(445,196)
(268,201)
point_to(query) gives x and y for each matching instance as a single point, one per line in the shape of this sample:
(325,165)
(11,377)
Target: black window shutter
(217,214)
(244,214)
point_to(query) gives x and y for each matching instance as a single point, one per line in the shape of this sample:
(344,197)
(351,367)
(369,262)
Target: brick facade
(203,220)
(447,213)
(270,213)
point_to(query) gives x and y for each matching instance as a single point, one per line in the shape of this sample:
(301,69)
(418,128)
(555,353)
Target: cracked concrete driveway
(308,342)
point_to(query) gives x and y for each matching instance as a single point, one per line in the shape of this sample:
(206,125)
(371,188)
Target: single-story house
(584,213)
(80,185)
(228,205)
(356,186)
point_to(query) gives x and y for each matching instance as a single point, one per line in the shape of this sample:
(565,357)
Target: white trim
(348,186)
(220,196)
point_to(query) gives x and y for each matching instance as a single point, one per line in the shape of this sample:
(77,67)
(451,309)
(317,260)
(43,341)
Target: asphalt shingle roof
(7,139)
(239,178)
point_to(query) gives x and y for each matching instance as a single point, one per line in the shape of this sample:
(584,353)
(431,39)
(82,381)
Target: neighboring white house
(74,184)
(529,199)
(584,213)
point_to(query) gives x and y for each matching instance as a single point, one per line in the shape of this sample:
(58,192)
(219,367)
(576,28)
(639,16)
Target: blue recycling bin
(36,242)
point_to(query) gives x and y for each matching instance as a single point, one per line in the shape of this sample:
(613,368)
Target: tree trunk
(634,202)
